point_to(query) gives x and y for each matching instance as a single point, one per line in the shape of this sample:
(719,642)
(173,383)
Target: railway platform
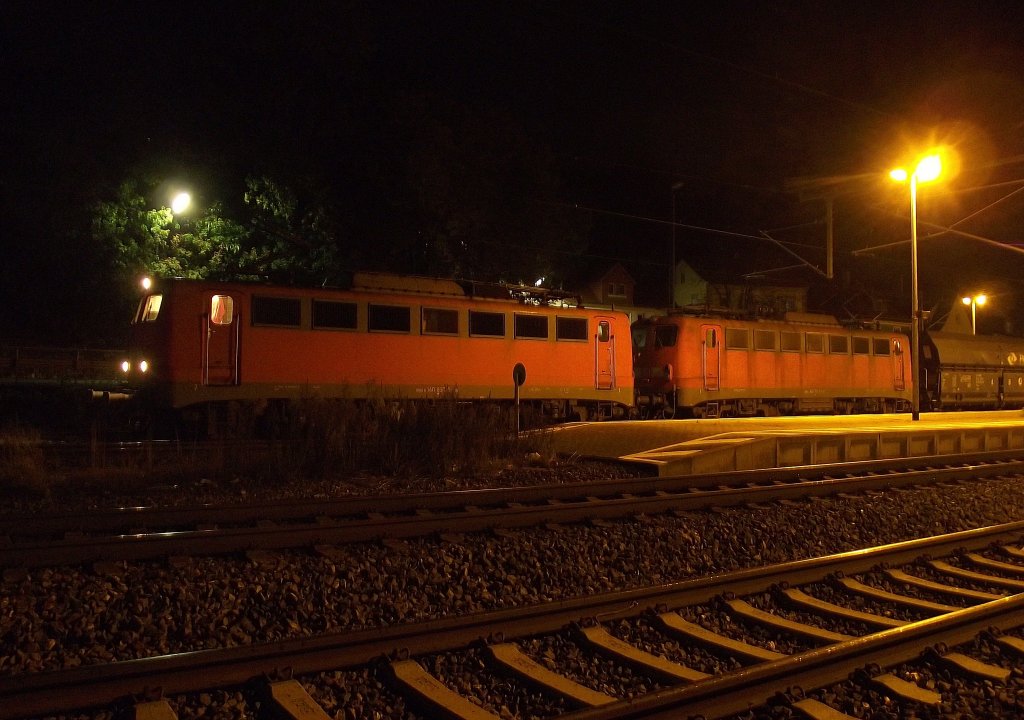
(681,447)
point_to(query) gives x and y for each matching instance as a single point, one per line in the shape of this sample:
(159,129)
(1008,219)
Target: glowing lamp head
(929,168)
(981,299)
(125,366)
(181,202)
(966,301)
(146,283)
(143,366)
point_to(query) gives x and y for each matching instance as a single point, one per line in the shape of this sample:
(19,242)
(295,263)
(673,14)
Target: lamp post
(928,168)
(974,301)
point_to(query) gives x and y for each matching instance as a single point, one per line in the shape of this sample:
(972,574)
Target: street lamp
(180,203)
(928,168)
(974,302)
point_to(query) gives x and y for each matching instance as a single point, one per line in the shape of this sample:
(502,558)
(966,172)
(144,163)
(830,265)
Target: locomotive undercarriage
(237,419)
(666,406)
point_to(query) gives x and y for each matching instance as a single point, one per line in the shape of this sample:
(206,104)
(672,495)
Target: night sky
(752,111)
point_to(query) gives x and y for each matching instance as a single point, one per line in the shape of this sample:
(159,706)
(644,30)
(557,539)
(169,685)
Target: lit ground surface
(869,436)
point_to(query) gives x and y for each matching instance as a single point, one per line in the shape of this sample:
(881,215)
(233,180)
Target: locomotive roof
(417,285)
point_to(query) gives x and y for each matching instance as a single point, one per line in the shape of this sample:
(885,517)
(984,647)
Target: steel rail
(154,518)
(737,692)
(469,517)
(66,690)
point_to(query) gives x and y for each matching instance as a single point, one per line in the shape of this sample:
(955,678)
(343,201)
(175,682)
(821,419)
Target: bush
(22,462)
(317,437)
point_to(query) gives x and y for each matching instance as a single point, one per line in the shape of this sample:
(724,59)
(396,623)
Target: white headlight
(143,366)
(125,366)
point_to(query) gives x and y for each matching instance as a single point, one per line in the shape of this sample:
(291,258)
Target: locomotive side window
(791,341)
(570,328)
(881,346)
(151,308)
(531,326)
(334,315)
(276,311)
(665,336)
(737,339)
(764,340)
(711,339)
(440,321)
(815,342)
(222,309)
(489,324)
(388,318)
(604,331)
(861,345)
(839,344)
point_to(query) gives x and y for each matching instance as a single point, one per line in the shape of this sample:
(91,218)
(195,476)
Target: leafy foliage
(290,240)
(282,239)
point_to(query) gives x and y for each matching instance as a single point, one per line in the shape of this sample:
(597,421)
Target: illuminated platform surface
(680,447)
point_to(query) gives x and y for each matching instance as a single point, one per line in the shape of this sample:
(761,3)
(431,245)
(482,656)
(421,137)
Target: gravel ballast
(68,616)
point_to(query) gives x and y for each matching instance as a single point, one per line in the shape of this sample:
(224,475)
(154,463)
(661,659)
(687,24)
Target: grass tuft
(22,463)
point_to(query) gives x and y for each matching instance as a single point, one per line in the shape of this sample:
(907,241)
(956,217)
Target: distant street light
(180,203)
(928,169)
(974,302)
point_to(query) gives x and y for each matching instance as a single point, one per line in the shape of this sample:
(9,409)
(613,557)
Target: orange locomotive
(201,342)
(686,365)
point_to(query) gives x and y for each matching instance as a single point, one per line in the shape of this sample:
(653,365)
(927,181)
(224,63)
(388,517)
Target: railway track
(131,534)
(709,647)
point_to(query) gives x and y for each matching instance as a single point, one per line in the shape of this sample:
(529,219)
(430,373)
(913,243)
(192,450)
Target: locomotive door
(220,351)
(604,355)
(898,380)
(711,355)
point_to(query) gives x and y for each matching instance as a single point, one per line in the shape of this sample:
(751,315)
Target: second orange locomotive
(694,366)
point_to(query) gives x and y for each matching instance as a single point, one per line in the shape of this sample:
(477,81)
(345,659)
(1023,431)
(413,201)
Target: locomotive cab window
(222,309)
(639,335)
(150,308)
(861,345)
(286,312)
(764,340)
(737,339)
(531,326)
(881,346)
(839,344)
(665,336)
(388,318)
(815,342)
(334,315)
(486,324)
(790,341)
(440,321)
(570,328)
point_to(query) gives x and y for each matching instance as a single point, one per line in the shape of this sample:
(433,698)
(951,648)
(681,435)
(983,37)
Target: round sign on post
(519,374)
(518,377)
